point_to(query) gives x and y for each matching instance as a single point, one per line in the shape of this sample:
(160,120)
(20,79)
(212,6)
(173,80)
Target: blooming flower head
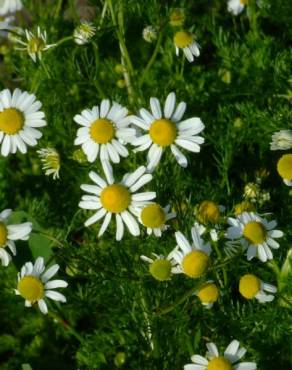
(251,191)
(192,259)
(209,212)
(284,168)
(161,268)
(235,7)
(83,33)
(104,132)
(154,217)
(255,234)
(51,161)
(177,17)
(250,286)
(281,140)
(208,294)
(185,40)
(20,119)
(244,206)
(10,6)
(108,198)
(34,284)
(9,233)
(214,361)
(149,34)
(166,130)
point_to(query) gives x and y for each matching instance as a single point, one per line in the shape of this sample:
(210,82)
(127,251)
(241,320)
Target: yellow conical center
(3,234)
(254,232)
(102,131)
(35,45)
(219,363)
(160,269)
(31,288)
(209,293)
(244,206)
(195,263)
(249,286)
(208,212)
(153,216)
(176,17)
(182,39)
(115,198)
(285,166)
(11,121)
(244,2)
(163,132)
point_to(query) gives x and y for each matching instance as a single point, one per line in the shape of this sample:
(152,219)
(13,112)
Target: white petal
(155,107)
(181,159)
(131,223)
(42,306)
(119,227)
(53,284)
(169,105)
(199,360)
(104,108)
(105,224)
(212,348)
(50,273)
(96,217)
(179,112)
(56,296)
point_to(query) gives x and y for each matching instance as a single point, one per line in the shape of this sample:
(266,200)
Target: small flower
(235,7)
(104,132)
(9,233)
(10,6)
(284,168)
(251,286)
(110,198)
(20,119)
(209,212)
(176,17)
(185,40)
(34,285)
(83,33)
(251,191)
(149,34)
(244,206)
(281,140)
(255,234)
(51,161)
(166,130)
(161,268)
(208,294)
(213,361)
(154,217)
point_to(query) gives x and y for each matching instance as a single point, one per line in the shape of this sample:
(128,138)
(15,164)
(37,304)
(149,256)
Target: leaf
(40,246)
(26,367)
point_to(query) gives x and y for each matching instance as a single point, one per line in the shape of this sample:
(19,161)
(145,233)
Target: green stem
(50,237)
(58,8)
(66,325)
(219,254)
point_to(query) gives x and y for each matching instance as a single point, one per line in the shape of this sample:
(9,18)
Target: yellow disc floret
(255,232)
(35,45)
(208,212)
(11,121)
(195,263)
(3,234)
(153,216)
(244,2)
(285,166)
(219,363)
(249,286)
(115,198)
(160,269)
(182,39)
(31,288)
(102,131)
(163,132)
(176,17)
(244,206)
(208,293)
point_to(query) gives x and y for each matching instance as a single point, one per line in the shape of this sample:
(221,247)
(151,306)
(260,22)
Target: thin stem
(58,8)
(65,324)
(50,237)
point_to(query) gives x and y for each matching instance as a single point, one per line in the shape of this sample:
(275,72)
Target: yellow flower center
(160,269)
(219,363)
(285,166)
(3,234)
(153,216)
(115,198)
(208,212)
(244,206)
(102,131)
(195,263)
(31,288)
(249,286)
(255,232)
(35,45)
(182,39)
(209,293)
(176,17)
(11,121)
(244,2)
(163,132)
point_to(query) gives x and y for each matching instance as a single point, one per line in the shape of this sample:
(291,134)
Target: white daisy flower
(213,360)
(20,118)
(185,40)
(154,217)
(149,34)
(255,234)
(281,140)
(235,7)
(110,198)
(161,267)
(192,259)
(167,130)
(34,284)
(250,286)
(104,132)
(208,294)
(10,6)
(284,168)
(83,33)
(51,161)
(9,233)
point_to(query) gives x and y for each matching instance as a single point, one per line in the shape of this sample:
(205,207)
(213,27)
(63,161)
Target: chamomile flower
(167,130)
(154,217)
(10,6)
(9,233)
(250,286)
(235,7)
(104,132)
(34,284)
(255,234)
(20,118)
(109,198)
(192,258)
(284,168)
(51,161)
(213,360)
(185,40)
(149,34)
(161,267)
(83,33)
(281,140)
(208,294)
(244,206)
